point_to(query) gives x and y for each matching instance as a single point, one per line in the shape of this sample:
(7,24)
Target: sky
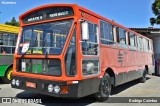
(129,13)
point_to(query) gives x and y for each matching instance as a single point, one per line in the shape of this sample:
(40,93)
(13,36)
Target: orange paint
(133,60)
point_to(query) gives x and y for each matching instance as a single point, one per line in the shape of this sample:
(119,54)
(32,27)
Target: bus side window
(127,37)
(90,46)
(145,45)
(6,49)
(1,42)
(1,39)
(121,36)
(150,45)
(106,32)
(136,42)
(140,43)
(131,39)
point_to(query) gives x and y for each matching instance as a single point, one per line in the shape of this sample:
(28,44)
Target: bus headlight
(57,89)
(17,82)
(50,88)
(13,81)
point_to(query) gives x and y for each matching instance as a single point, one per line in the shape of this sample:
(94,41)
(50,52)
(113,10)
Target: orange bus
(65,50)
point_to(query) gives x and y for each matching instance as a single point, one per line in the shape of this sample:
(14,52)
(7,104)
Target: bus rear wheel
(7,77)
(143,78)
(104,89)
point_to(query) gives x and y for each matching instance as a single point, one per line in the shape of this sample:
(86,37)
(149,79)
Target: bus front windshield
(45,38)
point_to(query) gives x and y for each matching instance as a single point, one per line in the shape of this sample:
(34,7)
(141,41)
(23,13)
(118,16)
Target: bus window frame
(145,46)
(113,33)
(76,57)
(129,38)
(121,45)
(150,46)
(98,42)
(139,41)
(91,75)
(135,46)
(12,48)
(63,51)
(43,22)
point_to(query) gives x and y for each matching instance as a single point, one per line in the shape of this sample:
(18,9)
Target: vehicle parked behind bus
(8,37)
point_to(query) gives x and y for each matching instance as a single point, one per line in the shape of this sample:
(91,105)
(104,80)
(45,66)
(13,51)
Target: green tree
(156,12)
(13,22)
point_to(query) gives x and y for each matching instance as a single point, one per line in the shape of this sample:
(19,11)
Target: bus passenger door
(89,49)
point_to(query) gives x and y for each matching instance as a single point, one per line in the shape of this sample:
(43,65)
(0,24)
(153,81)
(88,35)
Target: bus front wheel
(104,89)
(7,77)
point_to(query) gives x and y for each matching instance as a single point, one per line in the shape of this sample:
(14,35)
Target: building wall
(156,46)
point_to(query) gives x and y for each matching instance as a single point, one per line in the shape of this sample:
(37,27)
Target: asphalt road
(151,88)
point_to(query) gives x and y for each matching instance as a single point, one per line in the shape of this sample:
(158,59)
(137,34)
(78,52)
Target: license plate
(31,84)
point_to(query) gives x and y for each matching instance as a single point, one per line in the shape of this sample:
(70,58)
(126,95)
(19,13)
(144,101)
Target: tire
(104,89)
(143,78)
(7,77)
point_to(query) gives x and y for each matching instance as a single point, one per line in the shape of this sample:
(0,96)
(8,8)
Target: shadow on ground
(48,100)
(1,82)
(125,86)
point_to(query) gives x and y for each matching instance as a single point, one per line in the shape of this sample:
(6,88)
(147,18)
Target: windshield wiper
(46,55)
(24,53)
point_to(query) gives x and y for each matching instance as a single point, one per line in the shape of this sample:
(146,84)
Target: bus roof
(83,9)
(108,20)
(9,29)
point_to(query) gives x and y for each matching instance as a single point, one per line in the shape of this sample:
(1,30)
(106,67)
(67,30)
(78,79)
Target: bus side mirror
(85,31)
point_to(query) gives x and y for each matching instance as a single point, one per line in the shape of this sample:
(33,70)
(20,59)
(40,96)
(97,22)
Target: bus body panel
(3,70)
(126,63)
(8,37)
(80,89)
(5,62)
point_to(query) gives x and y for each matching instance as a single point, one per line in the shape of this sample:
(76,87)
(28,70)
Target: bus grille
(40,66)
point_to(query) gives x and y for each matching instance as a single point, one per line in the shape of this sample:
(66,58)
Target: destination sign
(48,13)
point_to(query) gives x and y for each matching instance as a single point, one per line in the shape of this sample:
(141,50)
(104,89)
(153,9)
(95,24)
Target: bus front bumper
(76,90)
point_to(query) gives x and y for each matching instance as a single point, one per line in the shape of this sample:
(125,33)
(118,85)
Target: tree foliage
(13,22)
(156,12)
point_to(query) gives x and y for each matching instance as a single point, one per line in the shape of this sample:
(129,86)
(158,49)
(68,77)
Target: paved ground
(151,88)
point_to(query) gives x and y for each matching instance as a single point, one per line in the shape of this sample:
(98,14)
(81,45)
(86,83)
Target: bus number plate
(31,84)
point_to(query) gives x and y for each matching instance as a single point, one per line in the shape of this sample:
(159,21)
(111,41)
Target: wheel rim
(9,74)
(105,86)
